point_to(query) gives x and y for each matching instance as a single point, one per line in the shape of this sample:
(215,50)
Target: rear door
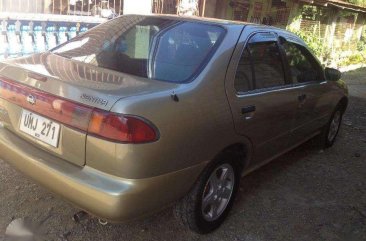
(309,81)
(261,98)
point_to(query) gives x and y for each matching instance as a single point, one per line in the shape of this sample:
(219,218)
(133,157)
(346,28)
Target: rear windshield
(150,47)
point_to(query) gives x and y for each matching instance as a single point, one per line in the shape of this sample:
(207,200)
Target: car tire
(208,203)
(330,131)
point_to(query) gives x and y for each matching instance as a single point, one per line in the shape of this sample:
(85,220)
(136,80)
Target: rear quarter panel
(192,130)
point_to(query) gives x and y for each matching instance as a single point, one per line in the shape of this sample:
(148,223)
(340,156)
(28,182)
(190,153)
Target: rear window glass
(268,69)
(150,47)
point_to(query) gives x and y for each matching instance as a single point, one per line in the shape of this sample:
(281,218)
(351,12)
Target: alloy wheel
(334,125)
(218,192)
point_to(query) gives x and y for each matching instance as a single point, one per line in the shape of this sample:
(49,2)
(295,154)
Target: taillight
(100,123)
(121,128)
(59,109)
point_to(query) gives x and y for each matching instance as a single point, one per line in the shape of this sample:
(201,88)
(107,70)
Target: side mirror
(332,74)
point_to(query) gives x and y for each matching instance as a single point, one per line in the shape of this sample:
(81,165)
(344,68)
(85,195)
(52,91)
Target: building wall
(33,6)
(221,8)
(210,10)
(137,7)
(65,7)
(273,12)
(339,29)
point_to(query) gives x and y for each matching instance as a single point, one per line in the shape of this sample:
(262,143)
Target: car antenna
(174,96)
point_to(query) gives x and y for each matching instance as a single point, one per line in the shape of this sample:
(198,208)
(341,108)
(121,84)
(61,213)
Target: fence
(104,8)
(277,17)
(338,31)
(20,37)
(165,6)
(314,27)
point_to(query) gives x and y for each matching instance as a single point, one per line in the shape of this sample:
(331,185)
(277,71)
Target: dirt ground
(304,195)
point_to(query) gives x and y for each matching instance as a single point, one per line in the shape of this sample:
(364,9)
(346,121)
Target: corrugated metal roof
(338,3)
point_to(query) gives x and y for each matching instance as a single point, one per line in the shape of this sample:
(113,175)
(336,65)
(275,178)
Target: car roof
(201,19)
(224,22)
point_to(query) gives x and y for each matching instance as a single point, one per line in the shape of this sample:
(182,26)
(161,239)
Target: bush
(356,58)
(358,2)
(316,45)
(361,45)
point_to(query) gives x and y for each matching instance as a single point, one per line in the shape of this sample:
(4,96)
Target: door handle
(301,98)
(248,109)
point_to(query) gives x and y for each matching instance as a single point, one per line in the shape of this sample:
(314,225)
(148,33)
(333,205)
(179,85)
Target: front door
(262,100)
(308,79)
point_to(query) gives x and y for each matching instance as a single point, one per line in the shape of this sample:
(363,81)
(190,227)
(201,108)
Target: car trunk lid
(64,92)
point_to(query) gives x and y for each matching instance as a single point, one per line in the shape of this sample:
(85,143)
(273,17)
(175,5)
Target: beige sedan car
(143,111)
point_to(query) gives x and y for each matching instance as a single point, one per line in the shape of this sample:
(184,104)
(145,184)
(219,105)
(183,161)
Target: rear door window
(260,65)
(244,78)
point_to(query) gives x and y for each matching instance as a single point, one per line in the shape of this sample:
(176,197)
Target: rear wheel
(209,202)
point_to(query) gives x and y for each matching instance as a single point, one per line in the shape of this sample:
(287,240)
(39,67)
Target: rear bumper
(103,195)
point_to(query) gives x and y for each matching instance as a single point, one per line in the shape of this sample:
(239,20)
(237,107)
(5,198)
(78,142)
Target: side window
(268,68)
(244,74)
(302,64)
(260,65)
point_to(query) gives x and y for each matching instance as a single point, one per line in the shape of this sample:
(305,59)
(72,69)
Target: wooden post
(82,7)
(332,22)
(120,7)
(89,8)
(203,8)
(334,14)
(295,11)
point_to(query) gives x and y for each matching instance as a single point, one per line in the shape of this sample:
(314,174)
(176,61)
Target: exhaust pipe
(102,222)
(79,216)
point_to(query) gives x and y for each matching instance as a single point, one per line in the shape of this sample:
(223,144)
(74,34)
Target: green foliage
(313,41)
(358,2)
(328,54)
(312,12)
(356,58)
(361,45)
(309,12)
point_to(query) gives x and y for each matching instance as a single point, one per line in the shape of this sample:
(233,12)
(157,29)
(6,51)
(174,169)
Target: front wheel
(331,130)
(209,202)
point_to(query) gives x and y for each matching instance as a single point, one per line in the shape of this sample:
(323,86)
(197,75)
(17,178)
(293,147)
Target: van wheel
(331,130)
(206,206)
